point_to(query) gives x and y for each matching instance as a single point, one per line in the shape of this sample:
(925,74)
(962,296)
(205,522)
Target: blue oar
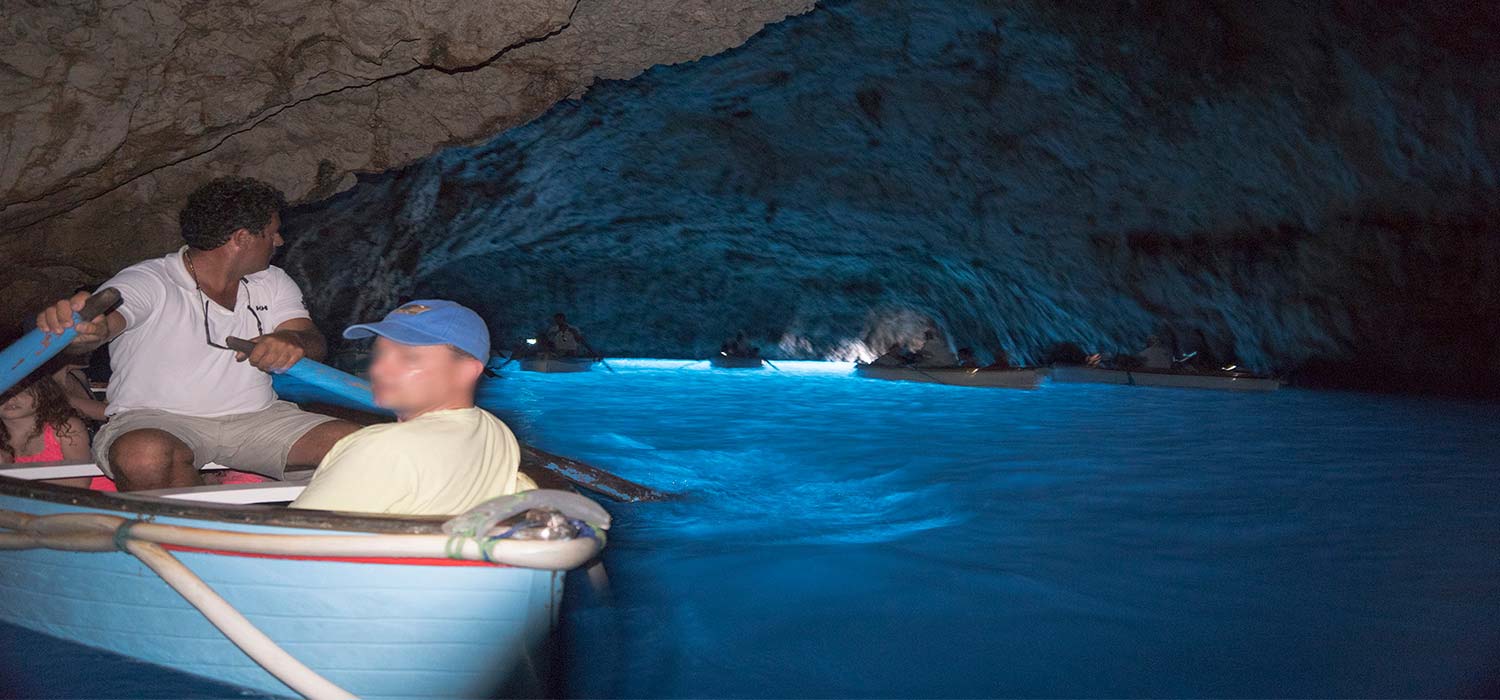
(350,390)
(34,349)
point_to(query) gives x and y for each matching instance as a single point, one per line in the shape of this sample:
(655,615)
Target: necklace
(192,272)
(260,330)
(187,260)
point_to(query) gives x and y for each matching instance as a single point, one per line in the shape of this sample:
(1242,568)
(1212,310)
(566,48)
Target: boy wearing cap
(444,455)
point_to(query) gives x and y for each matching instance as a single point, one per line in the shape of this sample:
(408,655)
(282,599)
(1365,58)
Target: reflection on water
(840,537)
(847,537)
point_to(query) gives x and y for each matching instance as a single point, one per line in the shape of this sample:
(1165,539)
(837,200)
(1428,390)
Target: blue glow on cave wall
(1019,174)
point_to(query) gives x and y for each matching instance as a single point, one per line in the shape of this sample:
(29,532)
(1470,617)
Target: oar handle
(102,302)
(239,345)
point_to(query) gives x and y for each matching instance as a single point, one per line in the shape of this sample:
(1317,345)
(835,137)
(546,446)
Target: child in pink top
(37,424)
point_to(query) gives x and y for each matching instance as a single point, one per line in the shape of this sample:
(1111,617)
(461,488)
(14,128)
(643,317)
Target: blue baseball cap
(430,322)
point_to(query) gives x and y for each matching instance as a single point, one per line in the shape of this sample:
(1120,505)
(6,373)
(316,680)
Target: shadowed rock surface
(1312,187)
(110,112)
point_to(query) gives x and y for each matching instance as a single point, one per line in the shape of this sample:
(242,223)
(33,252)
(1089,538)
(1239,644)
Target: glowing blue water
(848,537)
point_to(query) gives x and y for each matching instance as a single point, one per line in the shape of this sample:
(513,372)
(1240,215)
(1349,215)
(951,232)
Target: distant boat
(1025,378)
(723,361)
(393,617)
(1231,381)
(549,363)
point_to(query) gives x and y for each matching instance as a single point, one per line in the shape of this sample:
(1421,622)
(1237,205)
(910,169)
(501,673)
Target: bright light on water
(785,367)
(845,537)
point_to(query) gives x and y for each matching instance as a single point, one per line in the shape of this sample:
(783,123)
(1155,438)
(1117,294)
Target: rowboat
(1233,381)
(223,582)
(369,606)
(723,361)
(548,363)
(1025,378)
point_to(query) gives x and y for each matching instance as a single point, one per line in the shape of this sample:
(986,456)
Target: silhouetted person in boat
(1156,355)
(966,358)
(1203,357)
(739,346)
(564,340)
(179,398)
(1065,353)
(895,356)
(934,351)
(443,455)
(1002,360)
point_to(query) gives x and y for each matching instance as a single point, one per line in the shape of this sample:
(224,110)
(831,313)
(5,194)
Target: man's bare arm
(291,341)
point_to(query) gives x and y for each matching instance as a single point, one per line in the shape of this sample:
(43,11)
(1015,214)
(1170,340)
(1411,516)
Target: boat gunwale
(965,370)
(1214,374)
(250,514)
(569,360)
(737,362)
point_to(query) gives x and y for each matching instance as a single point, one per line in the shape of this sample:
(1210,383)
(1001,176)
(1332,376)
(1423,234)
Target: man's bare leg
(308,451)
(151,459)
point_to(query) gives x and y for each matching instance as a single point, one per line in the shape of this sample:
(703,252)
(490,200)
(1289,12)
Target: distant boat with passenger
(723,361)
(737,353)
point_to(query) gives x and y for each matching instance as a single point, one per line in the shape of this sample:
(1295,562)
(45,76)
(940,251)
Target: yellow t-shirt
(440,463)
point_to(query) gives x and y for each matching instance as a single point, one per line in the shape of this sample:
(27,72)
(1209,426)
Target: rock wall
(1312,186)
(110,112)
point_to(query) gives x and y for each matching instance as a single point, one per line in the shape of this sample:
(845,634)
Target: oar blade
(593,478)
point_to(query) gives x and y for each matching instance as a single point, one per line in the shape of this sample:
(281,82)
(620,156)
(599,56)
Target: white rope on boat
(95,532)
(98,532)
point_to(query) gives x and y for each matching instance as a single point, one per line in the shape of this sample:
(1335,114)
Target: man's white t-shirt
(162,361)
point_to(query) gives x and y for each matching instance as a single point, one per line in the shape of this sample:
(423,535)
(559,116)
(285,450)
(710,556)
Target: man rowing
(738,346)
(564,340)
(444,455)
(935,352)
(179,398)
(1156,355)
(894,356)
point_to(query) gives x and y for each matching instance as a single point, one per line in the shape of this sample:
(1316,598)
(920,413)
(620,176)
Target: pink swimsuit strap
(51,448)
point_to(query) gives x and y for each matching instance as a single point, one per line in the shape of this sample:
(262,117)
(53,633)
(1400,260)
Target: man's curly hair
(216,210)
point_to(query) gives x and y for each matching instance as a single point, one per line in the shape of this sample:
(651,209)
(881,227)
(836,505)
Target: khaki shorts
(253,442)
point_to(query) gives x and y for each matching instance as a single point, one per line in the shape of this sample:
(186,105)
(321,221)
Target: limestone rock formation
(1311,186)
(111,111)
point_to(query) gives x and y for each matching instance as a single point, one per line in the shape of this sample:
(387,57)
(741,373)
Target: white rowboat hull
(952,376)
(377,629)
(555,365)
(723,362)
(1179,380)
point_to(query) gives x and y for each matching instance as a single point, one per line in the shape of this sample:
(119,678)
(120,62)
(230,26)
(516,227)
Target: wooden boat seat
(239,494)
(236,494)
(63,470)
